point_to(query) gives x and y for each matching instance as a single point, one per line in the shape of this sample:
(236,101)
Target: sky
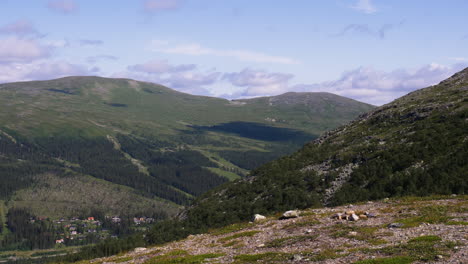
(373,51)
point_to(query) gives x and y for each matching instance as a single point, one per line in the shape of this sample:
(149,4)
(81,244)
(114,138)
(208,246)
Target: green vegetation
(411,147)
(81,145)
(434,214)
(393,260)
(269,257)
(182,257)
(238,235)
(280,242)
(423,248)
(363,233)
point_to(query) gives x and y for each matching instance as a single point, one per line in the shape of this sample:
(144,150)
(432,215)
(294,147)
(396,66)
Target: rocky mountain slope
(415,145)
(101,139)
(410,230)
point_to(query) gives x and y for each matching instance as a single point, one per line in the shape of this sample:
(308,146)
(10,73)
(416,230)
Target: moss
(238,235)
(280,242)
(230,228)
(182,258)
(393,260)
(425,239)
(268,257)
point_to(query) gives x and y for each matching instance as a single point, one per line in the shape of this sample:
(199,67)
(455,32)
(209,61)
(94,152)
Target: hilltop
(397,231)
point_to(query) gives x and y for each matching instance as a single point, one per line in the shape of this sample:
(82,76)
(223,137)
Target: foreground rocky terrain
(408,230)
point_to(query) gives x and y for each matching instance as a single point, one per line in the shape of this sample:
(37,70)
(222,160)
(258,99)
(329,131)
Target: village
(81,231)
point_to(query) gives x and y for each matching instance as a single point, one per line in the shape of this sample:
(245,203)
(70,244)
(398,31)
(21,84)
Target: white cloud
(44,70)
(20,28)
(153,6)
(161,66)
(259,82)
(365,6)
(15,49)
(184,77)
(198,50)
(62,6)
(378,87)
(94,59)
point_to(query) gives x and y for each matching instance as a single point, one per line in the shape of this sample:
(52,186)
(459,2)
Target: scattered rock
(261,245)
(338,216)
(370,215)
(290,214)
(395,225)
(139,249)
(308,231)
(353,217)
(258,218)
(352,233)
(297,257)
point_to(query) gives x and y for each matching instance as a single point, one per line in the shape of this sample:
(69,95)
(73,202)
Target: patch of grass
(238,235)
(124,259)
(230,228)
(425,239)
(182,257)
(434,214)
(393,260)
(280,242)
(364,233)
(268,257)
(423,248)
(325,254)
(310,222)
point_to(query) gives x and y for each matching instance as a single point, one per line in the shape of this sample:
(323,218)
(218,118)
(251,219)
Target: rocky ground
(410,230)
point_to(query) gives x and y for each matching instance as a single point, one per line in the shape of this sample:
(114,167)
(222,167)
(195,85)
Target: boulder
(290,214)
(258,218)
(395,225)
(350,212)
(363,216)
(338,216)
(353,217)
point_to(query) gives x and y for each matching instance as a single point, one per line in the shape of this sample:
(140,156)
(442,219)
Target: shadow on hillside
(259,131)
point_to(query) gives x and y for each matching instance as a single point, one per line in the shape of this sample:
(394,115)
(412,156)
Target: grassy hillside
(400,231)
(143,141)
(415,145)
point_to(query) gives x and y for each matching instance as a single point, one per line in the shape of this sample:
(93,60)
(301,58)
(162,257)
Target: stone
(290,214)
(353,217)
(350,212)
(261,245)
(363,216)
(338,216)
(258,218)
(352,233)
(395,225)
(139,249)
(308,231)
(439,257)
(297,257)
(370,215)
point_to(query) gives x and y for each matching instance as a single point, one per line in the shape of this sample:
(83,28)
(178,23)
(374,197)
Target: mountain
(91,145)
(415,145)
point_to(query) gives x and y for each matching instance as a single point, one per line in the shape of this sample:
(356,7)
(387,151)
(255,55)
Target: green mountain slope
(156,146)
(415,145)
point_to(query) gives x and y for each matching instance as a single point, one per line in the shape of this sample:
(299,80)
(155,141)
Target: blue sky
(370,50)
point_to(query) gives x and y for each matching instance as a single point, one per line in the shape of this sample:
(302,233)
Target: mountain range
(82,145)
